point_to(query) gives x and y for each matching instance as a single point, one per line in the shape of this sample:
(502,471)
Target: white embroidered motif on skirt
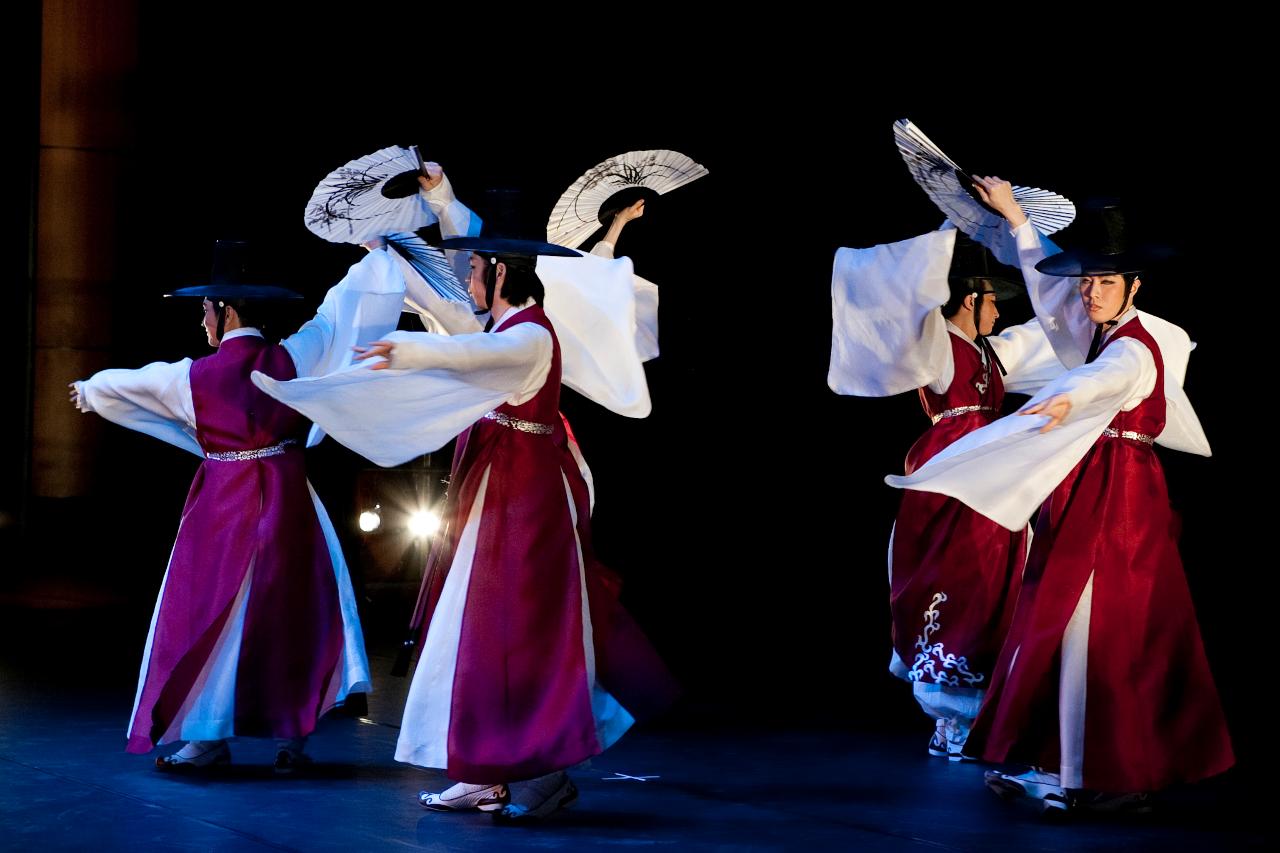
(932,661)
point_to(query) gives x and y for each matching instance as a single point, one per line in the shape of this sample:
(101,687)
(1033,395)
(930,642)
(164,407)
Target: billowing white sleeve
(456,219)
(1028,358)
(363,307)
(155,400)
(517,359)
(1055,300)
(592,303)
(1006,469)
(887,334)
(646,295)
(437,387)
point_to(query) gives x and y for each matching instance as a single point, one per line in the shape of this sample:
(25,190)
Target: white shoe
(957,735)
(1033,783)
(196,755)
(463,796)
(938,741)
(538,798)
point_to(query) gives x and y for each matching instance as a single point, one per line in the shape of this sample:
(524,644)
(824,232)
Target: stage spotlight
(424,523)
(371,519)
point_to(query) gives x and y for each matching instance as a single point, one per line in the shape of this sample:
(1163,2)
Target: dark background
(747,514)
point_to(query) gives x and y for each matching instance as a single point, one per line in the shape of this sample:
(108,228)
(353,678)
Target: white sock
(196,748)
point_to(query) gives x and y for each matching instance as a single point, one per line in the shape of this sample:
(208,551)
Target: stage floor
(66,782)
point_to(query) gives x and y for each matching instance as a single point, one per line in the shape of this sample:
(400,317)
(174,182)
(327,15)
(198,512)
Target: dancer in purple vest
(919,312)
(1102,685)
(255,631)
(525,669)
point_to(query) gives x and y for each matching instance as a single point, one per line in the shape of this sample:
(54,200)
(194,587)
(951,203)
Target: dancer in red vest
(255,631)
(919,313)
(1102,686)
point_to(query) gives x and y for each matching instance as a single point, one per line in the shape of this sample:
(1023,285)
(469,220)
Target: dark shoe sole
(562,799)
(1003,788)
(217,764)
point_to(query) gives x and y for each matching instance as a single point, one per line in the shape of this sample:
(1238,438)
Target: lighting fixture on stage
(424,523)
(371,519)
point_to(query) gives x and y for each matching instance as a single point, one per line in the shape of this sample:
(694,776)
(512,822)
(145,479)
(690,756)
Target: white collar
(1131,314)
(962,335)
(511,312)
(242,332)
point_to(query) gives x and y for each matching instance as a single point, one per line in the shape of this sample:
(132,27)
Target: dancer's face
(1103,296)
(475,283)
(990,313)
(210,322)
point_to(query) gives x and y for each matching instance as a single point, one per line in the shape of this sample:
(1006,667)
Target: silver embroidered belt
(960,410)
(1112,432)
(509,422)
(249,455)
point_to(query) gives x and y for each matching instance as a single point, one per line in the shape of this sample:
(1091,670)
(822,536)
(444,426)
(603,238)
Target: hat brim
(508,246)
(1081,262)
(259,292)
(1001,287)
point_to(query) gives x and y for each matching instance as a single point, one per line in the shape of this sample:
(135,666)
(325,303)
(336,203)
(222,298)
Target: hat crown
(974,269)
(1101,228)
(236,273)
(508,231)
(969,258)
(231,262)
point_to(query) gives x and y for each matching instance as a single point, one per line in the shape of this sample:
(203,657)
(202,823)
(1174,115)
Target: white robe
(157,400)
(1005,470)
(605,316)
(888,335)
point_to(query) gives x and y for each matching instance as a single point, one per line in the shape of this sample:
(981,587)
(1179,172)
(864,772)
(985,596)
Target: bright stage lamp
(370,520)
(424,522)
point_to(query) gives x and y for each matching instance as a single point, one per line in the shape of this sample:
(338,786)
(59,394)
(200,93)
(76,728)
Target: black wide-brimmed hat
(511,230)
(508,247)
(1101,245)
(974,270)
(234,276)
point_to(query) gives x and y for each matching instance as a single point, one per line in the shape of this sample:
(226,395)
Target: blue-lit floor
(66,783)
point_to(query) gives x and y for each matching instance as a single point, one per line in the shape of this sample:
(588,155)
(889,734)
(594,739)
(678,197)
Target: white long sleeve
(517,360)
(1070,332)
(646,294)
(1027,356)
(1006,469)
(154,400)
(456,219)
(1056,300)
(364,306)
(595,306)
(437,387)
(887,334)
